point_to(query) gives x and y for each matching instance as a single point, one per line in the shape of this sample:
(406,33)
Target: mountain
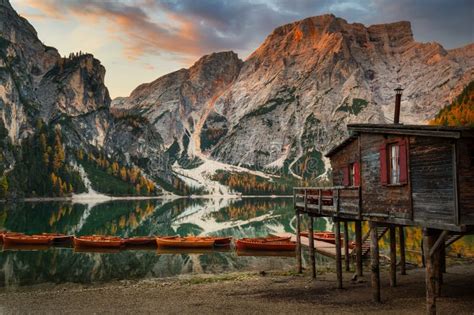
(222,125)
(54,107)
(290,101)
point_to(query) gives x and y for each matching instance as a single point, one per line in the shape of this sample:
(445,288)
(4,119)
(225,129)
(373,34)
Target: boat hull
(98,242)
(26,240)
(184,242)
(258,245)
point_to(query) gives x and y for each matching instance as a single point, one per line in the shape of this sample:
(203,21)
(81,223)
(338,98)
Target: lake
(247,217)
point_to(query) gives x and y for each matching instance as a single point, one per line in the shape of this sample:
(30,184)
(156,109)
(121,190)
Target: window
(351,174)
(393,163)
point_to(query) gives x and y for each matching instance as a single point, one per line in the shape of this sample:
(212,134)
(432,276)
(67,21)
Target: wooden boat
(140,241)
(3,233)
(185,242)
(262,244)
(327,236)
(58,237)
(99,241)
(21,239)
(270,238)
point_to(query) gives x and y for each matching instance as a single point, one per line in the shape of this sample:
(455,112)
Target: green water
(238,218)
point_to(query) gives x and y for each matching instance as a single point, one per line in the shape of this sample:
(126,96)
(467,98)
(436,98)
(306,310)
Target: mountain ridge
(277,112)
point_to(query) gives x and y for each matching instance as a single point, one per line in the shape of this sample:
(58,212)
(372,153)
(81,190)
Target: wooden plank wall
(465,148)
(340,160)
(376,198)
(431,165)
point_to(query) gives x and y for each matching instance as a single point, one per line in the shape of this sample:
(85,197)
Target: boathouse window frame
(394,162)
(351,175)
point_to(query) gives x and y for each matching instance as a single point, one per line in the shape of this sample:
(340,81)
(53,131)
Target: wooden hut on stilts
(392,176)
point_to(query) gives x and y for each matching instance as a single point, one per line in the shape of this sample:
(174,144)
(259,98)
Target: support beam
(374,262)
(358,233)
(441,239)
(401,236)
(311,247)
(347,258)
(337,227)
(431,277)
(393,257)
(442,262)
(299,262)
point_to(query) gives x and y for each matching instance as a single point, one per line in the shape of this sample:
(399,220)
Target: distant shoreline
(105,198)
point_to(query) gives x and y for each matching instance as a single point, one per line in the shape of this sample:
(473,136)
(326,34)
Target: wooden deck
(323,248)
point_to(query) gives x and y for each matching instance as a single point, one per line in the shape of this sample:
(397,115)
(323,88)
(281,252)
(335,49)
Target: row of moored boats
(271,243)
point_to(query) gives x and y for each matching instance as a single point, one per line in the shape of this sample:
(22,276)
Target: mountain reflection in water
(248,217)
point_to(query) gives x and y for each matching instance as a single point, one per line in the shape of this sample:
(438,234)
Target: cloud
(191,28)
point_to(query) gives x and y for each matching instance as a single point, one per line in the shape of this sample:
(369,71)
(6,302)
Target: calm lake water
(249,217)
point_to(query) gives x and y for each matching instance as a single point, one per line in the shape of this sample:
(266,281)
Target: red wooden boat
(185,242)
(327,236)
(58,237)
(140,241)
(98,241)
(3,233)
(21,239)
(263,244)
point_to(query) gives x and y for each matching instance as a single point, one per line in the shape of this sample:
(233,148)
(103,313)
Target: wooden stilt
(431,276)
(347,258)
(358,232)
(393,257)
(338,252)
(442,265)
(374,262)
(299,262)
(401,237)
(437,265)
(311,247)
(443,258)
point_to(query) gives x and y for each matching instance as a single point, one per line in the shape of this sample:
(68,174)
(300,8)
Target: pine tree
(59,154)
(3,186)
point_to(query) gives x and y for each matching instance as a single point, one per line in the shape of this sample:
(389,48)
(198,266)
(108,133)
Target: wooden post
(338,252)
(393,256)
(443,258)
(311,246)
(401,236)
(437,265)
(431,276)
(358,232)
(374,262)
(299,263)
(346,247)
(442,262)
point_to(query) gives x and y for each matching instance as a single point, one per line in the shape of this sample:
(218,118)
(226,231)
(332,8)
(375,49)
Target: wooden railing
(328,200)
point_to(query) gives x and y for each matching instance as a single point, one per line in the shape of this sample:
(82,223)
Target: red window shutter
(346,176)
(356,174)
(403,162)
(383,165)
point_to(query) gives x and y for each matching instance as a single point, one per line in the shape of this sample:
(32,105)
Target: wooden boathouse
(392,176)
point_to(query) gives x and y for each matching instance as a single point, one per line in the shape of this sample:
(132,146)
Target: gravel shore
(244,293)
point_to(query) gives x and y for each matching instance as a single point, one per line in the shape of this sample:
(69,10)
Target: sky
(140,40)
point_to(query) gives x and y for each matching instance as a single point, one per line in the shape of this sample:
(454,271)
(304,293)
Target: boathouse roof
(400,129)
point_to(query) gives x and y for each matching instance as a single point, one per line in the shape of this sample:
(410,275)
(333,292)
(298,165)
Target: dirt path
(243,293)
